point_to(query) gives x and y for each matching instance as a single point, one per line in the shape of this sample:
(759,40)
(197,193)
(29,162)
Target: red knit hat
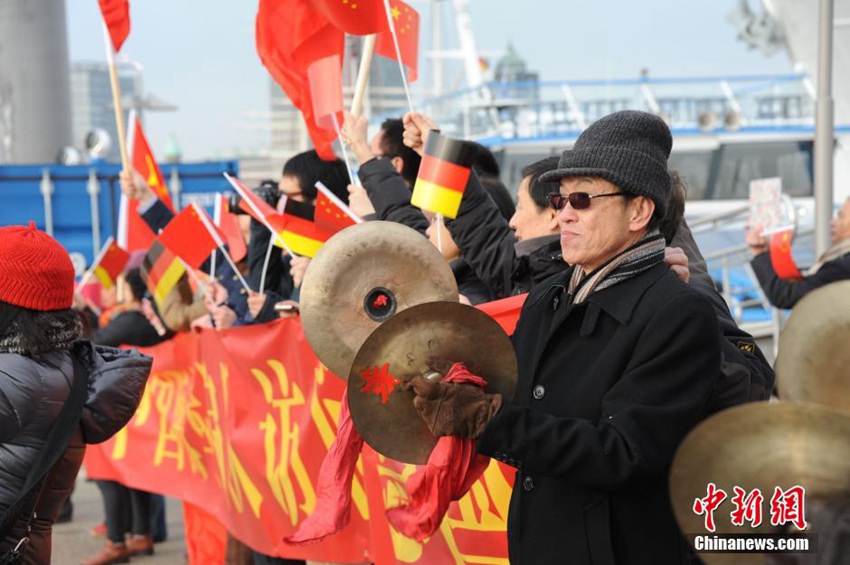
(35,271)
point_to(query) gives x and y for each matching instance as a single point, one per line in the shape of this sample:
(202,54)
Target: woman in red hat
(41,359)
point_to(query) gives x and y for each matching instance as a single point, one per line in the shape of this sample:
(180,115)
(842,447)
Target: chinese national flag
(332,215)
(406,23)
(143,161)
(780,255)
(357,17)
(116,15)
(109,263)
(325,78)
(190,237)
(291,35)
(134,232)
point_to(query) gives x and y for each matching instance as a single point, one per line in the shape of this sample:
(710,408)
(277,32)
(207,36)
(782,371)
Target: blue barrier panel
(70,205)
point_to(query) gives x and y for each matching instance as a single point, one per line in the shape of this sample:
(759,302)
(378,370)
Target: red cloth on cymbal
(452,469)
(333,491)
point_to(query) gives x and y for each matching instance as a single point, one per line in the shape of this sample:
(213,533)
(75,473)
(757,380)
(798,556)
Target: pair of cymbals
(377,301)
(764,446)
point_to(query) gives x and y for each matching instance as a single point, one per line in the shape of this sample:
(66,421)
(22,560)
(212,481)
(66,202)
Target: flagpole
(220,244)
(217,222)
(266,266)
(440,233)
(116,101)
(348,167)
(406,86)
(363,74)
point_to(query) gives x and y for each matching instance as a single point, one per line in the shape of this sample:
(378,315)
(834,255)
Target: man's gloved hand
(453,409)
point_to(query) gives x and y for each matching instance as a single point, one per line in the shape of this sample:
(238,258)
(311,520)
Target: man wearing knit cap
(617,359)
(44,371)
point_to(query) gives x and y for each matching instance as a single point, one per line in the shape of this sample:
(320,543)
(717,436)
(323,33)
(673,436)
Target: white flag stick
(217,221)
(221,245)
(406,86)
(266,266)
(348,166)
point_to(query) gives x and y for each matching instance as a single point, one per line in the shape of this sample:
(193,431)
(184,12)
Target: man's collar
(621,305)
(529,246)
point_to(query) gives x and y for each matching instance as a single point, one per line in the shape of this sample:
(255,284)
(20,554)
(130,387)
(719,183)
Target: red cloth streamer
(452,469)
(333,491)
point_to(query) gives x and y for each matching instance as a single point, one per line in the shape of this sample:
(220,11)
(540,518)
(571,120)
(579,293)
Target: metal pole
(93,188)
(824,130)
(47,189)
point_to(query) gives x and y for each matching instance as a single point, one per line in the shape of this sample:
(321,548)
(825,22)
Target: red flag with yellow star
(191,236)
(308,37)
(406,23)
(332,214)
(144,162)
(780,255)
(357,17)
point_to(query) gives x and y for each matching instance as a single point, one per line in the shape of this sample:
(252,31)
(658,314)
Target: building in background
(35,101)
(91,101)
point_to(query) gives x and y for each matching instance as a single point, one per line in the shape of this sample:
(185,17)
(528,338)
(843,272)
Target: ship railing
(531,109)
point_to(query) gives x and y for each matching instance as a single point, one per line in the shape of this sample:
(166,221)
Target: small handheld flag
(332,214)
(780,255)
(443,174)
(190,237)
(161,271)
(108,265)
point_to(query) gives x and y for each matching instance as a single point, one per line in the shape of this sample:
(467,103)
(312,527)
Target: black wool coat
(607,390)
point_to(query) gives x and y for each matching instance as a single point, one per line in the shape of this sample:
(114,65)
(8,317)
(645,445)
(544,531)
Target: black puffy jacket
(32,393)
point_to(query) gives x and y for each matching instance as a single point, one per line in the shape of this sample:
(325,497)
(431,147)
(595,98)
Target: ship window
(694,168)
(741,163)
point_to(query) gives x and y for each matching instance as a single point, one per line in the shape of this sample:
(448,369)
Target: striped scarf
(643,255)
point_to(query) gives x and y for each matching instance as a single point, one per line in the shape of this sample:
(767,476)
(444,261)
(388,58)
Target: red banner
(238,422)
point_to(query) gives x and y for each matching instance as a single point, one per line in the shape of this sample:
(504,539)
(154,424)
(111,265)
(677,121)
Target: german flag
(443,175)
(299,232)
(109,263)
(161,270)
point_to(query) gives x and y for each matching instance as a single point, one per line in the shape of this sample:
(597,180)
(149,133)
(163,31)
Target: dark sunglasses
(577,200)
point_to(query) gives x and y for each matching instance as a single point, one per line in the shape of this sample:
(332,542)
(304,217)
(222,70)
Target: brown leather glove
(453,409)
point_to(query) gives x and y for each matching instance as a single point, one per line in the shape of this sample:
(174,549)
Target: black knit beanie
(629,149)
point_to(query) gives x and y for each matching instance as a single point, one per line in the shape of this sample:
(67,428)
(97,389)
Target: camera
(267,191)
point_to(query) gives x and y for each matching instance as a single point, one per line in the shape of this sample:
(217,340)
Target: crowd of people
(624,344)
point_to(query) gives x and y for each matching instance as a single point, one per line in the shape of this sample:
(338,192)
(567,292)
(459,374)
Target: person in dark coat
(39,337)
(617,361)
(832,266)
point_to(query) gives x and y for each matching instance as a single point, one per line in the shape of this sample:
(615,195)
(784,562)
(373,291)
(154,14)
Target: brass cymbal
(402,346)
(813,364)
(361,277)
(759,445)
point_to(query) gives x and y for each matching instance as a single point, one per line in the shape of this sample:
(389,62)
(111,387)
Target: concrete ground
(73,542)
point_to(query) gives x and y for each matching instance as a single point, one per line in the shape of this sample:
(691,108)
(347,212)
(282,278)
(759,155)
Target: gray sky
(201,55)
